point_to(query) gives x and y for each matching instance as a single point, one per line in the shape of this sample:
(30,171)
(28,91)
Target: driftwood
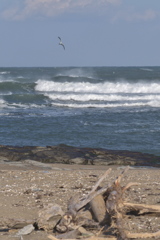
(74,206)
(108,208)
(100,215)
(143,208)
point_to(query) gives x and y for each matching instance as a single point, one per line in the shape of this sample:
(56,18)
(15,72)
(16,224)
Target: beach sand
(26,187)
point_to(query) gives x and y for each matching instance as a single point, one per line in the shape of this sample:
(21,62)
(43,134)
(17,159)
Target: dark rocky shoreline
(74,155)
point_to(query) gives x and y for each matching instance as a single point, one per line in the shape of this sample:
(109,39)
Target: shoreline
(64,154)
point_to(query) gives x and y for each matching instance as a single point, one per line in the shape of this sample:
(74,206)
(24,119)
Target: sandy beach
(26,187)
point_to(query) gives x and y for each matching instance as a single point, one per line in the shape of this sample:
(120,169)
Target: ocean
(115,108)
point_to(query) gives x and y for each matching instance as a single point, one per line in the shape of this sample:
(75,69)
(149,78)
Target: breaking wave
(80,88)
(103,94)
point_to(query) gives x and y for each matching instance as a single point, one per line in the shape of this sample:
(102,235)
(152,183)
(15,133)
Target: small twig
(130,185)
(143,207)
(142,235)
(99,232)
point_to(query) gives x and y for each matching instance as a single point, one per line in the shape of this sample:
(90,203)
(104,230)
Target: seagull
(60,43)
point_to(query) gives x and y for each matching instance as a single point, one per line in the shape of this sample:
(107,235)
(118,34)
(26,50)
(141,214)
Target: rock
(49,216)
(69,235)
(25,230)
(77,160)
(98,208)
(74,155)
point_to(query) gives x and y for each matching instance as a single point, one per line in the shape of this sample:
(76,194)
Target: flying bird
(60,43)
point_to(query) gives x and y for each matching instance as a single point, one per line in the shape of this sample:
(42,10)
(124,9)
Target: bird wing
(63,46)
(59,38)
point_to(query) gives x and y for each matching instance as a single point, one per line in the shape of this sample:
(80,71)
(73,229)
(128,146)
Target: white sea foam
(20,77)
(105,87)
(104,94)
(70,75)
(5,93)
(4,72)
(147,69)
(7,80)
(77,73)
(25,106)
(3,103)
(102,97)
(91,105)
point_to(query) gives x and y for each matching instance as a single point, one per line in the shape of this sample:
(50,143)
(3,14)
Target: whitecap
(103,87)
(21,77)
(77,73)
(100,97)
(4,72)
(5,93)
(3,103)
(147,69)
(95,105)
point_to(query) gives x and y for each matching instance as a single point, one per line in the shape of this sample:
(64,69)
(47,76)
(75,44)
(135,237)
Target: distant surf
(120,93)
(107,107)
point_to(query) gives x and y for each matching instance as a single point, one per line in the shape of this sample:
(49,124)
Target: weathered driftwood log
(108,199)
(75,205)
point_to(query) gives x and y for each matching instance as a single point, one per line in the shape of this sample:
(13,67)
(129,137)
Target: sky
(94,32)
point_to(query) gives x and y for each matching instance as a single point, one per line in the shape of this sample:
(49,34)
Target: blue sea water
(106,107)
